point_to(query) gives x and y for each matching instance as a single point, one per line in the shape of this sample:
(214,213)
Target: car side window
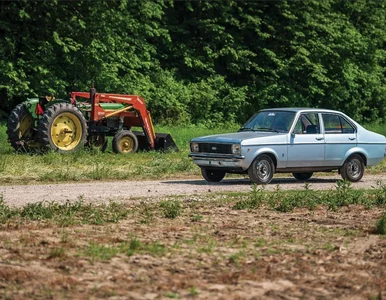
(307,124)
(336,124)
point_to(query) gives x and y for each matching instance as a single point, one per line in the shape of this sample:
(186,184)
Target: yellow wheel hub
(26,126)
(126,144)
(25,130)
(66,131)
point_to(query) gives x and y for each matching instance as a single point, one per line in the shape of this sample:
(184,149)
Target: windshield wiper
(264,129)
(246,129)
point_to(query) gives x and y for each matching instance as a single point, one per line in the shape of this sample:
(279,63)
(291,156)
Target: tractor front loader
(86,118)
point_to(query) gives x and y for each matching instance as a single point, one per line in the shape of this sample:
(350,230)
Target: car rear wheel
(302,176)
(353,168)
(212,176)
(261,170)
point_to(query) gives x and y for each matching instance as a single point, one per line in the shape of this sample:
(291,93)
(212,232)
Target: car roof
(302,109)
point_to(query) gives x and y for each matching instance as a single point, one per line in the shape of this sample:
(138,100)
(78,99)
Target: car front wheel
(353,168)
(261,170)
(212,176)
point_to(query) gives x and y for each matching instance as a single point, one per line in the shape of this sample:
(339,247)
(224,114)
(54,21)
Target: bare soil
(210,251)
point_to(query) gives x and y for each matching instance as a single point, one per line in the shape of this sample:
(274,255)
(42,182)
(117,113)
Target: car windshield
(277,121)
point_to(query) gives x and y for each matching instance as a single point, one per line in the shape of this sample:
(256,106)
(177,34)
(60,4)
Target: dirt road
(129,190)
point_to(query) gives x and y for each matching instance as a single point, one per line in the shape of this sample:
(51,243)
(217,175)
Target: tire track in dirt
(96,191)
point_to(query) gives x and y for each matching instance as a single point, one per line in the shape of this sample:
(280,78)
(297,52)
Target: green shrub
(171,208)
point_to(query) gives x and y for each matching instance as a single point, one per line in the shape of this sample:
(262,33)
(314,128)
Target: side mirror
(292,134)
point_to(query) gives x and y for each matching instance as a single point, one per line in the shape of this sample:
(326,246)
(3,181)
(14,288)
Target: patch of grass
(193,292)
(329,247)
(255,199)
(380,193)
(146,213)
(235,258)
(171,295)
(134,245)
(6,213)
(57,253)
(381,225)
(196,218)
(66,214)
(97,252)
(171,208)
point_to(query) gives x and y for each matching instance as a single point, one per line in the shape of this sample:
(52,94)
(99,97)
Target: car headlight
(194,147)
(236,149)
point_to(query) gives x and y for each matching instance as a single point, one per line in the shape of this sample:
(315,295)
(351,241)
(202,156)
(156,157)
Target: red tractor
(85,118)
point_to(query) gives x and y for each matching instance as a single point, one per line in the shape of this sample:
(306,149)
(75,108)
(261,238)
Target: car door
(340,136)
(306,146)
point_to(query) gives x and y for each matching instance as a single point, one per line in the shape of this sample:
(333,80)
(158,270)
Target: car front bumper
(226,162)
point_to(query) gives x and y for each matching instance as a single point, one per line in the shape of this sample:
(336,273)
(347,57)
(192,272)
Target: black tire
(62,128)
(99,142)
(125,142)
(20,129)
(302,176)
(261,170)
(212,175)
(353,168)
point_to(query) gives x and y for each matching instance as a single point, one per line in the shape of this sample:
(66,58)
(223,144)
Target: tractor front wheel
(20,129)
(62,128)
(125,142)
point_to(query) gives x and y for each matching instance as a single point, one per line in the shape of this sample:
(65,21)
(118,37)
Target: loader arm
(130,102)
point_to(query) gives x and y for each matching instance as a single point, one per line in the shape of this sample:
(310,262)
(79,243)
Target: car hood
(235,138)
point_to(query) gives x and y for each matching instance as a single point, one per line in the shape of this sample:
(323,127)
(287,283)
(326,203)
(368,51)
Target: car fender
(252,154)
(355,150)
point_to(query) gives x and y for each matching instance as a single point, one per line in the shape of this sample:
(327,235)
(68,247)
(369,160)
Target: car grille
(215,148)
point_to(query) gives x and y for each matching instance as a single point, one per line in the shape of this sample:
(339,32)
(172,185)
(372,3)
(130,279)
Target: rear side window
(336,124)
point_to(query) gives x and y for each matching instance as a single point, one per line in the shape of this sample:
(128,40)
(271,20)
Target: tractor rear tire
(125,142)
(20,129)
(62,128)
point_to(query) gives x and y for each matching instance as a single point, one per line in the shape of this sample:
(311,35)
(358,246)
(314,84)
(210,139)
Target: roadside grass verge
(86,164)
(75,213)
(63,215)
(287,201)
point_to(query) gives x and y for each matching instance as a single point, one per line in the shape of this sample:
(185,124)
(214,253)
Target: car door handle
(319,139)
(351,138)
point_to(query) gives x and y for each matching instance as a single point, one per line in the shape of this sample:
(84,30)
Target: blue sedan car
(300,141)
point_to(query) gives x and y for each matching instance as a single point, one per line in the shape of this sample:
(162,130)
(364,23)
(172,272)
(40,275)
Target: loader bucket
(163,142)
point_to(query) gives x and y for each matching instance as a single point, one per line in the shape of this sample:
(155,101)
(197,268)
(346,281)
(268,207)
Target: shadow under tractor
(86,118)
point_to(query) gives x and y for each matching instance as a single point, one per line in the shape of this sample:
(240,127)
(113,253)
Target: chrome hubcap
(263,170)
(354,168)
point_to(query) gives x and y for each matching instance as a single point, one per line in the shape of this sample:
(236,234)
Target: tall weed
(255,199)
(381,225)
(171,208)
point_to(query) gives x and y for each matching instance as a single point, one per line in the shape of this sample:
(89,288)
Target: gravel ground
(19,195)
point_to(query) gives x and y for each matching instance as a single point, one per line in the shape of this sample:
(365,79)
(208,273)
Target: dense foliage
(199,61)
